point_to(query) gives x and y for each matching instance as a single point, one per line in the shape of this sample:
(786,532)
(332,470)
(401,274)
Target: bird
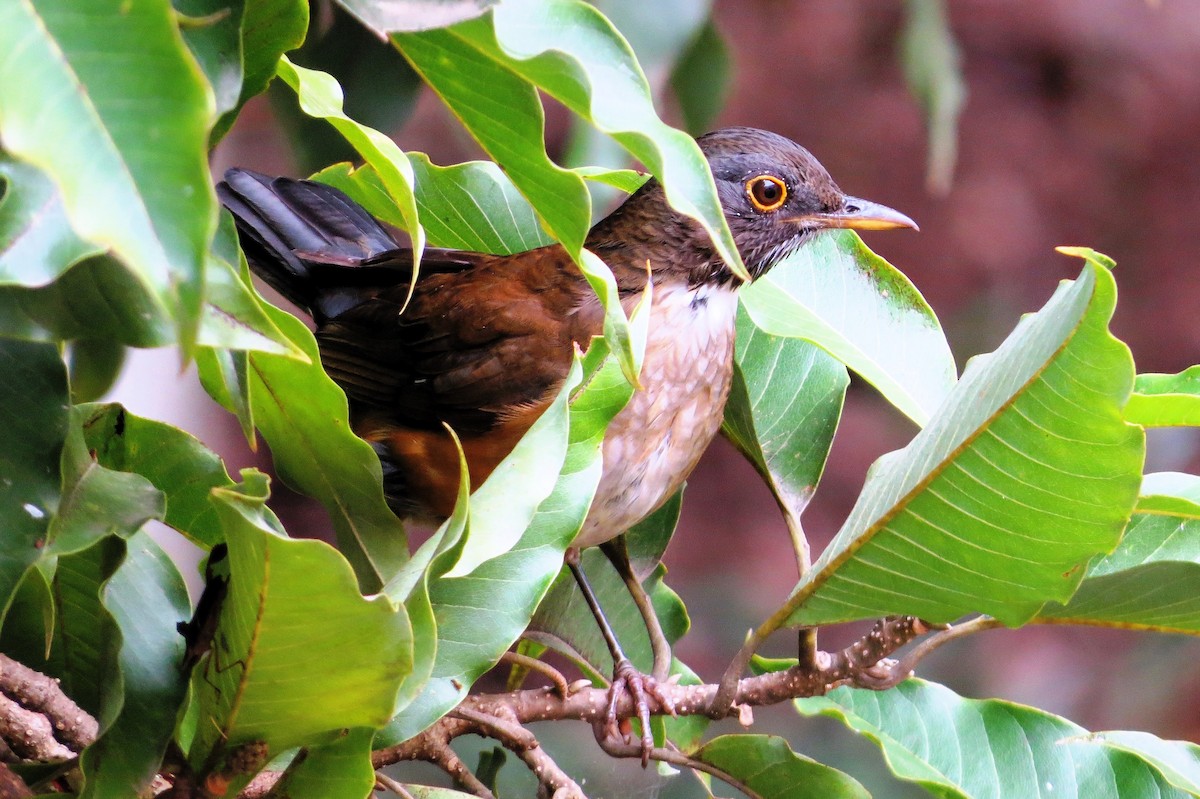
(485,342)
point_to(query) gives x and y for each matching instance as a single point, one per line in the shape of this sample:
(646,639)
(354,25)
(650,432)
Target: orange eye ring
(766,192)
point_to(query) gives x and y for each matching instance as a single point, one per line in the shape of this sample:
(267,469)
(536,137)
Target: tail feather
(288,225)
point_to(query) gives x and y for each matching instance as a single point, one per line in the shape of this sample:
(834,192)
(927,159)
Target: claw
(641,688)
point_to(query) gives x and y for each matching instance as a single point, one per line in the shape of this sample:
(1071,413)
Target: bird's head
(775,195)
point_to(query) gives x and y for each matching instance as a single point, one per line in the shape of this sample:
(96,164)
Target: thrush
(486,341)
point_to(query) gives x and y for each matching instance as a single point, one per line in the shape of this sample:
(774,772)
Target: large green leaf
(767,766)
(1149,581)
(257,33)
(567,49)
(96,501)
(481,613)
(1026,473)
(860,309)
(85,639)
(303,416)
(97,300)
(146,597)
(385,16)
(105,98)
(287,597)
(174,461)
(471,206)
(321,96)
(1177,761)
(783,410)
(234,316)
(966,748)
(37,243)
(1166,400)
(34,405)
(338,770)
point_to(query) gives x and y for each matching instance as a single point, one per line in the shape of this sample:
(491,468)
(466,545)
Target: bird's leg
(626,678)
(618,556)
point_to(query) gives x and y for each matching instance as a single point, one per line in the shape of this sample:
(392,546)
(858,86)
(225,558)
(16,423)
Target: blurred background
(1081,126)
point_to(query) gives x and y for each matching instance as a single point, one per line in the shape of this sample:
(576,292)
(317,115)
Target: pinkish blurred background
(1081,127)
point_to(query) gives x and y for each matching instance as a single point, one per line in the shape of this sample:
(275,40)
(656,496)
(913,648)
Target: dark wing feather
(474,345)
(482,338)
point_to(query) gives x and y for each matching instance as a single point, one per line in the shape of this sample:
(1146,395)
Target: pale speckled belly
(656,440)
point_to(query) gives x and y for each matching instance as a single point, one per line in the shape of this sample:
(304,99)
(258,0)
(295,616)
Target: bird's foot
(641,688)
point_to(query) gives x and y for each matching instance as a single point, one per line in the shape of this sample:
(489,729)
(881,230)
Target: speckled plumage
(486,341)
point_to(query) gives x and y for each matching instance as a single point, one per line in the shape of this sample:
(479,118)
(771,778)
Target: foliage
(1022,496)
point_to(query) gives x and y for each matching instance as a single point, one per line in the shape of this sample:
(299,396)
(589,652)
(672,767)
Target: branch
(42,695)
(502,716)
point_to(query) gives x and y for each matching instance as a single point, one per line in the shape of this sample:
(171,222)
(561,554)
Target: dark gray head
(775,194)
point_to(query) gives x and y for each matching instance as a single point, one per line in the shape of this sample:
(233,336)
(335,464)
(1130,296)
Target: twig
(384,781)
(540,666)
(42,694)
(944,636)
(671,756)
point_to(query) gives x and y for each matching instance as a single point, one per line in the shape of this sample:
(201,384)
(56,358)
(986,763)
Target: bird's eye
(767,193)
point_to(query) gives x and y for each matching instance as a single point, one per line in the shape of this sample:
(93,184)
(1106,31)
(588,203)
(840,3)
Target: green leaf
(965,748)
(175,462)
(211,31)
(413,15)
(265,30)
(1148,582)
(321,96)
(1177,761)
(233,314)
(93,367)
(503,112)
(564,622)
(338,770)
(567,49)
(471,206)
(472,635)
(97,502)
(769,768)
(145,597)
(933,69)
(702,78)
(783,410)
(224,375)
(304,418)
(95,298)
(860,309)
(86,640)
(1026,473)
(287,597)
(34,405)
(426,792)
(381,90)
(1166,400)
(136,184)
(37,243)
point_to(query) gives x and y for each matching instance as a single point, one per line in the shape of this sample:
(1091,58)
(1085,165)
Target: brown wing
(482,338)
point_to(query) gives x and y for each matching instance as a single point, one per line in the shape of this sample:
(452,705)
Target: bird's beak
(859,215)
